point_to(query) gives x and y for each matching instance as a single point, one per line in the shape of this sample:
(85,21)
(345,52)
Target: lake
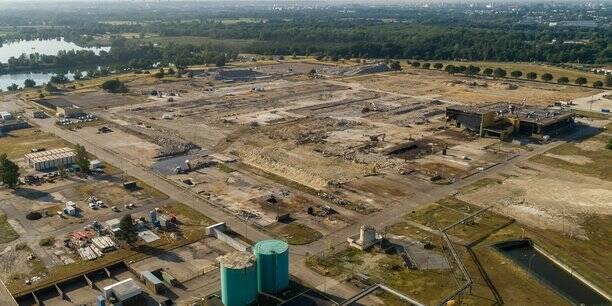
(7,80)
(48,47)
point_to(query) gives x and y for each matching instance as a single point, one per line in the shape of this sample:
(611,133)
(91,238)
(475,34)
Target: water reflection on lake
(47,47)
(7,80)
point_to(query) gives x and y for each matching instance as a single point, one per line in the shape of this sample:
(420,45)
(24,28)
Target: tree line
(472,70)
(123,55)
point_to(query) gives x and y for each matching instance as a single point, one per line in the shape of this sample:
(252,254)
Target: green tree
(487,71)
(547,77)
(114,86)
(516,74)
(438,66)
(562,80)
(92,74)
(499,73)
(78,75)
(50,87)
(127,230)
(580,81)
(59,79)
(13,87)
(9,171)
(395,66)
(598,84)
(451,69)
(220,61)
(471,70)
(609,80)
(532,75)
(160,74)
(29,83)
(81,159)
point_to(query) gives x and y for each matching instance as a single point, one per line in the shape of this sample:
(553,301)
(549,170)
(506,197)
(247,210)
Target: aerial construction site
(377,187)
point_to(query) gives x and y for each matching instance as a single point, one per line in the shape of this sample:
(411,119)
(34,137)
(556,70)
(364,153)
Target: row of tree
(502,73)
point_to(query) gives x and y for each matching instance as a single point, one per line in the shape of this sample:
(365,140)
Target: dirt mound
(469,84)
(505,85)
(33,215)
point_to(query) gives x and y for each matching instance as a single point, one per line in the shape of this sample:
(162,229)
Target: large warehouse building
(52,159)
(504,119)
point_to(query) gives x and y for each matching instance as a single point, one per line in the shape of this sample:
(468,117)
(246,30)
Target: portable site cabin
(152,282)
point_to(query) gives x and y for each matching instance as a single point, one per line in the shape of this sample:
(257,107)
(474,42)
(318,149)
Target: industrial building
(68,112)
(37,113)
(124,293)
(229,75)
(11,125)
(52,159)
(6,116)
(504,119)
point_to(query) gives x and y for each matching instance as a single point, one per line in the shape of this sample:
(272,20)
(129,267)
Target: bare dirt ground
(547,198)
(440,85)
(137,149)
(93,100)
(13,261)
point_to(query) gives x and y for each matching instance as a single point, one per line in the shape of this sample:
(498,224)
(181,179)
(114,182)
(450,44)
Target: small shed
(152,282)
(122,291)
(113,225)
(130,185)
(71,211)
(95,164)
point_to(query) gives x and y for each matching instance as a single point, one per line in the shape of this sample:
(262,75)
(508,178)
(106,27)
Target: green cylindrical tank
(238,279)
(272,266)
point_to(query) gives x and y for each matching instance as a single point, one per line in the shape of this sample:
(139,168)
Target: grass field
(595,151)
(592,115)
(425,286)
(589,257)
(514,285)
(450,210)
(7,233)
(295,233)
(194,216)
(19,142)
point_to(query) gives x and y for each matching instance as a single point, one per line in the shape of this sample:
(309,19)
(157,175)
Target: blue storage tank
(153,214)
(100,301)
(238,279)
(272,266)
